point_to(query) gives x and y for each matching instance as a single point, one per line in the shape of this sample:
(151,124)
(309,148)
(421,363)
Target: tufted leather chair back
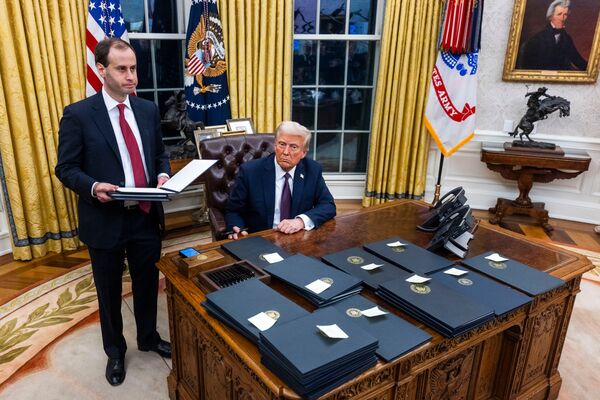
(230,152)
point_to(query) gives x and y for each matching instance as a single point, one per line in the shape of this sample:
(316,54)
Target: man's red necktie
(139,176)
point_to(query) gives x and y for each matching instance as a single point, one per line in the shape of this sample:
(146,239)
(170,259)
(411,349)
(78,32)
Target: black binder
(235,304)
(515,274)
(410,256)
(300,270)
(395,335)
(253,249)
(351,260)
(499,297)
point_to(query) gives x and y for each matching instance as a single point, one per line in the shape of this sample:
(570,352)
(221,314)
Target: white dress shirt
(279,182)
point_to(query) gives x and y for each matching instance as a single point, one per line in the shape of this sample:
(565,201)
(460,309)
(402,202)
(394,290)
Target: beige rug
(37,318)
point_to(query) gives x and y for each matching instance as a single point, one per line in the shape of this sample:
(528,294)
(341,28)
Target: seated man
(284,191)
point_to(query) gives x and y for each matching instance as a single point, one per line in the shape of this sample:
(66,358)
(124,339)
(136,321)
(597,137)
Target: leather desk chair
(230,152)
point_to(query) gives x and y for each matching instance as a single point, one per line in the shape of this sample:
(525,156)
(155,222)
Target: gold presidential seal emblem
(397,249)
(353,312)
(498,265)
(420,288)
(327,280)
(465,281)
(356,260)
(273,314)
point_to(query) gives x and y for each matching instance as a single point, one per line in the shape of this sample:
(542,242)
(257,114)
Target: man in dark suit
(284,191)
(552,48)
(105,141)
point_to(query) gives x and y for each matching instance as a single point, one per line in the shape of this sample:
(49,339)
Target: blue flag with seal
(206,91)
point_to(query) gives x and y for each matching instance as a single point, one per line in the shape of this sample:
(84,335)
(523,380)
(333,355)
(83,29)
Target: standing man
(552,48)
(109,140)
(284,191)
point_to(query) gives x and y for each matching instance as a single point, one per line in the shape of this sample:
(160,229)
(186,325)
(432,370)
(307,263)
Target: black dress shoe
(162,348)
(115,371)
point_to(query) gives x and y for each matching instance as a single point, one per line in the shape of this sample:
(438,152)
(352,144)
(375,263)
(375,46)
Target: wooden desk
(512,357)
(526,168)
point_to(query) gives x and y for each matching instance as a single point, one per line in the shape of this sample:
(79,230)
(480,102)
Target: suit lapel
(268,184)
(102,121)
(298,188)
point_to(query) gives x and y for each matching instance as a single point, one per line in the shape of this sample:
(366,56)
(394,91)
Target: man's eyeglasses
(294,148)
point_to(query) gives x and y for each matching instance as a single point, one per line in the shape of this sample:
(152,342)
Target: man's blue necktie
(285,208)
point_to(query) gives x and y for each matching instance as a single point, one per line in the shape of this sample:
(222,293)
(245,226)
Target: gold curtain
(41,70)
(399,141)
(258,41)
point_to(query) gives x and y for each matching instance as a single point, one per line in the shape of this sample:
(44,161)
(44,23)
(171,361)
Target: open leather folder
(175,185)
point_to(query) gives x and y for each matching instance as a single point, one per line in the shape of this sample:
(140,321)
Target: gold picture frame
(218,128)
(233,133)
(528,37)
(203,134)
(238,124)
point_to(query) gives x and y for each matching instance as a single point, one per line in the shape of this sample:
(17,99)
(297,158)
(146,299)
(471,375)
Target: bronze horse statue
(540,109)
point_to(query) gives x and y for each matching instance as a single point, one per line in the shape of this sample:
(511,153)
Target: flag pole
(438,185)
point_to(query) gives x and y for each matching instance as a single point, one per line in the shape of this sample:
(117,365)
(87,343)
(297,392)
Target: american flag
(196,65)
(105,19)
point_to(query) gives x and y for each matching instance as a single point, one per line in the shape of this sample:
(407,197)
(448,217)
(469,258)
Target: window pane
(361,62)
(356,145)
(133,13)
(330,109)
(305,62)
(358,109)
(328,151)
(303,107)
(305,16)
(169,65)
(362,17)
(162,16)
(144,63)
(333,16)
(331,63)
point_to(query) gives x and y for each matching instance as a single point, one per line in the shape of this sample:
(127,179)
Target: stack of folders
(395,335)
(314,280)
(365,266)
(173,186)
(317,353)
(408,256)
(435,304)
(513,273)
(250,307)
(256,249)
(501,298)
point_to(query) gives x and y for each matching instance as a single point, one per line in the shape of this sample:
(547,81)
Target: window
(336,48)
(157,32)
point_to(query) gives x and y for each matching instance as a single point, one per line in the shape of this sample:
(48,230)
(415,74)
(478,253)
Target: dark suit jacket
(252,201)
(88,153)
(542,52)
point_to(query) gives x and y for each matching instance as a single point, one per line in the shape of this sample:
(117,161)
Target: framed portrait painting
(553,41)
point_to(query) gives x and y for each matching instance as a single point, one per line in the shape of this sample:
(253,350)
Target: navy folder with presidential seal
(514,273)
(303,274)
(308,360)
(395,335)
(439,306)
(408,255)
(366,266)
(234,305)
(254,250)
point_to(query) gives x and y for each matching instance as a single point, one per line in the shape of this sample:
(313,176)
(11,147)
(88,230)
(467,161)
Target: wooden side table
(527,168)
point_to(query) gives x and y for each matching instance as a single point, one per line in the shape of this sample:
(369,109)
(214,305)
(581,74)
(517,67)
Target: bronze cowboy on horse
(539,109)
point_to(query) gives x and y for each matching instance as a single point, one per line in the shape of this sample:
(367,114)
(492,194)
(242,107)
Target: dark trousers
(140,243)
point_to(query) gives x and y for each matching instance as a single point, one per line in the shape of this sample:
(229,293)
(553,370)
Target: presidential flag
(450,113)
(105,19)
(206,92)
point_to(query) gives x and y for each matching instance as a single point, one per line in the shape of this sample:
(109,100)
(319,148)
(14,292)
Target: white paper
(496,258)
(187,174)
(318,286)
(333,331)
(455,271)
(417,279)
(372,266)
(373,312)
(177,183)
(396,244)
(272,258)
(262,321)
